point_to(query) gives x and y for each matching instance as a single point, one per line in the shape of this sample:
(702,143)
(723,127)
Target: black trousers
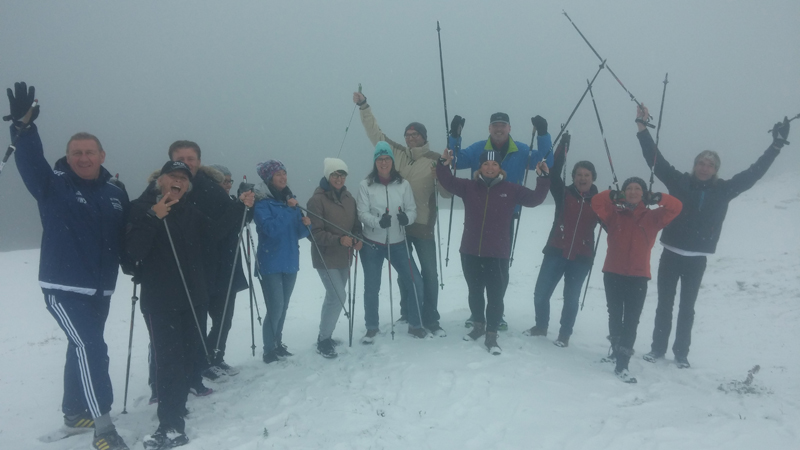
(174,338)
(689,270)
(625,300)
(491,275)
(220,326)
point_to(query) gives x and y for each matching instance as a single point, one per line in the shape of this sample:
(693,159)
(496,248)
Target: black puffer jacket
(705,203)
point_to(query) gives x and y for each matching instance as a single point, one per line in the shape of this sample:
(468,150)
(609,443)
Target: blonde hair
(710,155)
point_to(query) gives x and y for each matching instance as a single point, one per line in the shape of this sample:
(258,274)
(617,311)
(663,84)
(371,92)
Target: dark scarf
(282,195)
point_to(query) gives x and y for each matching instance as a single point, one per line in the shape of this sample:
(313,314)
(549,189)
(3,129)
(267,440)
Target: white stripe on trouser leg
(83,360)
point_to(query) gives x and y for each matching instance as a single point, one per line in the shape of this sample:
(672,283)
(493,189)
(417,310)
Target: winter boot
(478,330)
(491,343)
(282,350)
(402,320)
(164,438)
(562,341)
(270,357)
(229,370)
(109,441)
(503,325)
(369,338)
(625,376)
(612,351)
(535,331)
(214,373)
(468,323)
(200,390)
(652,357)
(419,333)
(326,348)
(621,369)
(682,362)
(83,420)
(436,330)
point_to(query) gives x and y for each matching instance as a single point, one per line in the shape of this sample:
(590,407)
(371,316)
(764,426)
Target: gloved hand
(616,196)
(402,218)
(565,139)
(540,124)
(386,220)
(780,132)
(244,187)
(652,198)
(456,126)
(21,103)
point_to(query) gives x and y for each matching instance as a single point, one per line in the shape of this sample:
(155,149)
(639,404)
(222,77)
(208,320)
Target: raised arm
(374,132)
(744,180)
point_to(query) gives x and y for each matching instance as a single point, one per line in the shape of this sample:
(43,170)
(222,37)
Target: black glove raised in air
(457,125)
(540,124)
(20,103)
(780,132)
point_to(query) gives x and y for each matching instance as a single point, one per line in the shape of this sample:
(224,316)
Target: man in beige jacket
(416,163)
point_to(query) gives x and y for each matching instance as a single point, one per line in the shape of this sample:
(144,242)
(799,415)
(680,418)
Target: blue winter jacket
(83,221)
(279,229)
(515,161)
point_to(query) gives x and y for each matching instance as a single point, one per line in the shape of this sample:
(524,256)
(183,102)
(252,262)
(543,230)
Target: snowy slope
(446,393)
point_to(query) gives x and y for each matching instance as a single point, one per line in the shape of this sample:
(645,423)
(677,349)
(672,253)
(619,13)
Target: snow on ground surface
(447,393)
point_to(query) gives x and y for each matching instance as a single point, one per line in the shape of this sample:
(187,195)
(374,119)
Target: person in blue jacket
(83,217)
(515,157)
(280,225)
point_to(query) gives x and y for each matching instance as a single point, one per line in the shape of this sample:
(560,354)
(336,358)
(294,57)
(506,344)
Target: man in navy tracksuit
(83,216)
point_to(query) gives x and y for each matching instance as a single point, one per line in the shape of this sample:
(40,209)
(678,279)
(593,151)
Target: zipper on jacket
(575,231)
(483,222)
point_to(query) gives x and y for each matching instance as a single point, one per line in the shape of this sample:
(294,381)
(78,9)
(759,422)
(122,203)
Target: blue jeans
(277,288)
(553,268)
(372,262)
(426,254)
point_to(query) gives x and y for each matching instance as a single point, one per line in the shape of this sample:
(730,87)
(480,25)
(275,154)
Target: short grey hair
(710,155)
(222,169)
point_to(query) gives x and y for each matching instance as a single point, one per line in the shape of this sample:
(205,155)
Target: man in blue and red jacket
(83,217)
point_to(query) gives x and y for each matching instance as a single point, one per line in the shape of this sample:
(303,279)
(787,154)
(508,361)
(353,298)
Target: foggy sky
(251,81)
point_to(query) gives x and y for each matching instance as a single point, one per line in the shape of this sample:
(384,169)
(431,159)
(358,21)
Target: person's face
(226,183)
(174,184)
(633,193)
(279,179)
(384,165)
(337,180)
(414,139)
(490,169)
(583,179)
(188,156)
(499,132)
(84,157)
(705,169)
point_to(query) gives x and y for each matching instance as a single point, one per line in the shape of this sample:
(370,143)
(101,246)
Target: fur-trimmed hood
(212,173)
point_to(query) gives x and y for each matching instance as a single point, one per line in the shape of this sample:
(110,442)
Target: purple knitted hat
(267,169)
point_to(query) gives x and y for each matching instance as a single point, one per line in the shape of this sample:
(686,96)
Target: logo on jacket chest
(79,197)
(116,203)
(503,195)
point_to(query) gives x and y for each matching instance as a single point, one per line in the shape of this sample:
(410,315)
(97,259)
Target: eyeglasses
(413,134)
(335,175)
(384,159)
(228,182)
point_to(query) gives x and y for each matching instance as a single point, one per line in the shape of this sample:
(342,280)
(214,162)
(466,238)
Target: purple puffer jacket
(489,210)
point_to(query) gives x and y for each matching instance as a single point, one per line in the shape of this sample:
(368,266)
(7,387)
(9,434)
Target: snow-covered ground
(447,393)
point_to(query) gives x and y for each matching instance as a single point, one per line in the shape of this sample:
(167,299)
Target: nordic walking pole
(589,277)
(346,233)
(410,270)
(324,264)
(188,295)
(13,147)
(349,295)
(134,299)
(795,117)
(633,99)
(389,256)
(658,130)
(353,303)
(257,269)
(230,282)
(455,150)
(438,232)
(602,133)
(348,124)
(243,248)
(524,183)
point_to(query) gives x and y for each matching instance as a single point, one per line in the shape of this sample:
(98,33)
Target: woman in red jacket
(632,228)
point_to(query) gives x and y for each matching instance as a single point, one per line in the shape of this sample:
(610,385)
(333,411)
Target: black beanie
(638,180)
(490,155)
(419,128)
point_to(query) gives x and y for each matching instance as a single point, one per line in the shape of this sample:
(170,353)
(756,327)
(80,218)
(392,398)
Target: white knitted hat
(332,165)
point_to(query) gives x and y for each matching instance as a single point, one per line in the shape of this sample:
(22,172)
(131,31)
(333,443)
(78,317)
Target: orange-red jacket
(632,233)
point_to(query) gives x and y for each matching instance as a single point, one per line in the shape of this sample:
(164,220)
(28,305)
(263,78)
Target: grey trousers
(332,305)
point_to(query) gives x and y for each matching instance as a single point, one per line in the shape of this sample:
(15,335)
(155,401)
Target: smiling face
(705,169)
(84,157)
(226,183)
(337,179)
(384,166)
(490,169)
(279,180)
(414,139)
(174,184)
(499,132)
(188,156)
(583,179)
(633,193)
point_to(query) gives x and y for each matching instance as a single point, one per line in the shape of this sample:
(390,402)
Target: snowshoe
(625,376)
(164,439)
(369,338)
(682,362)
(535,331)
(109,441)
(652,357)
(326,348)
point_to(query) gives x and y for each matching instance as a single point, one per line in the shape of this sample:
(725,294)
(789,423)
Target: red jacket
(632,233)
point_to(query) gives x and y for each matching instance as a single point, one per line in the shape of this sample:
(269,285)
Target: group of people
(181,241)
